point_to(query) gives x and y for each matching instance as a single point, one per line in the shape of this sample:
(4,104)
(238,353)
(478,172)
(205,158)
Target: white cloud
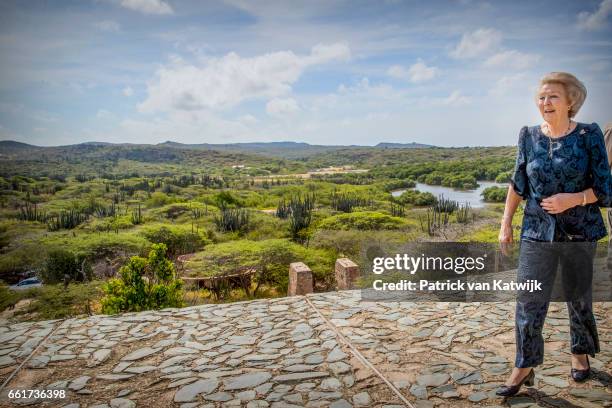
(512,59)
(397,71)
(364,89)
(598,19)
(103,114)
(108,25)
(282,107)
(507,84)
(477,43)
(454,99)
(128,91)
(227,81)
(328,52)
(148,6)
(418,72)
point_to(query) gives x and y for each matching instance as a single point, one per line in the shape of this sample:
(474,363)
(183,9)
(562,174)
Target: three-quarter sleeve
(519,180)
(599,168)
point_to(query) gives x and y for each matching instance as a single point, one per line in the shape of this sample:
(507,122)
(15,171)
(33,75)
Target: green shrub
(494,194)
(225,199)
(159,199)
(20,260)
(144,284)
(398,184)
(9,298)
(61,262)
(503,177)
(96,246)
(178,240)
(362,220)
(416,197)
(58,302)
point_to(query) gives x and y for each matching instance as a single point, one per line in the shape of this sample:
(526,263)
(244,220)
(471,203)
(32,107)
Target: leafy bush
(159,199)
(398,184)
(178,240)
(96,246)
(20,260)
(144,284)
(9,298)
(61,262)
(226,198)
(57,302)
(494,194)
(416,197)
(456,180)
(503,177)
(362,220)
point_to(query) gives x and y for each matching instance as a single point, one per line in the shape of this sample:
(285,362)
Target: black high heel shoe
(508,391)
(581,375)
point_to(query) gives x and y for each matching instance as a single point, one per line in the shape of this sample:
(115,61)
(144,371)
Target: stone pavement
(286,352)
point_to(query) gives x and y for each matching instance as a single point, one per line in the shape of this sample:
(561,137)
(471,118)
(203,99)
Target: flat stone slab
(250,380)
(300,376)
(140,354)
(189,392)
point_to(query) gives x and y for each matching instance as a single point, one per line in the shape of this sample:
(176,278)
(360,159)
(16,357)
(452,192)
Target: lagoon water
(472,197)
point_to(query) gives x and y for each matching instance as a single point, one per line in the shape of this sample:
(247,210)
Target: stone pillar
(347,273)
(300,279)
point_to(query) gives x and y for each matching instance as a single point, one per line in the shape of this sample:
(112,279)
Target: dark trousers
(540,260)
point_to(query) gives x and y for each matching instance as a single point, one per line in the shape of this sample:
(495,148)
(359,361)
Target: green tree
(144,284)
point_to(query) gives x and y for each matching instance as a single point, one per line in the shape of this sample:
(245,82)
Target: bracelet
(584,199)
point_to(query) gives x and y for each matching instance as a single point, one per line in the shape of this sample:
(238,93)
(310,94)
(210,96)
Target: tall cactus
(346,202)
(137,216)
(301,214)
(232,219)
(66,220)
(283,210)
(29,212)
(463,213)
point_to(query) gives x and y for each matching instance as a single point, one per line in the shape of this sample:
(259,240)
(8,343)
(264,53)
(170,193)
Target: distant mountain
(287,150)
(12,144)
(96,143)
(282,150)
(13,147)
(413,145)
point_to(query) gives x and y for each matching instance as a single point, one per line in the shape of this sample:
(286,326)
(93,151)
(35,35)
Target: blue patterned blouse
(572,163)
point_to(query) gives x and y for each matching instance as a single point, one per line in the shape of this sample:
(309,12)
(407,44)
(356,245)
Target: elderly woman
(562,171)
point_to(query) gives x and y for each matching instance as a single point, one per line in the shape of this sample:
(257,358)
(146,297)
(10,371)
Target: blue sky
(449,73)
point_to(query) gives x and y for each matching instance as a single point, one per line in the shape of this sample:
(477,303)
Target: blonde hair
(574,89)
